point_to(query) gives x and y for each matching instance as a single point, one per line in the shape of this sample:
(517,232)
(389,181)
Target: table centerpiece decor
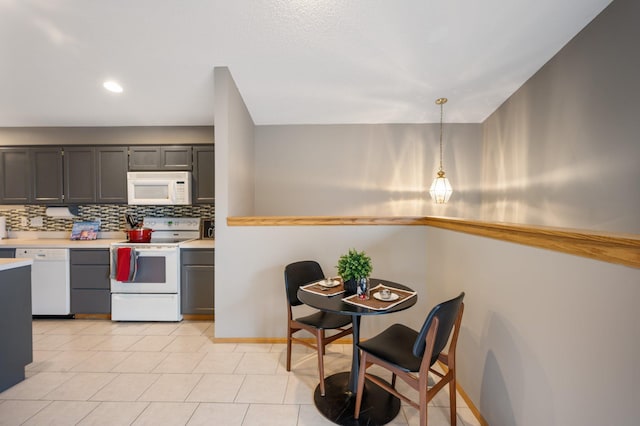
(355,267)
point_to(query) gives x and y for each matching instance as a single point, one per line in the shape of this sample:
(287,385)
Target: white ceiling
(294,61)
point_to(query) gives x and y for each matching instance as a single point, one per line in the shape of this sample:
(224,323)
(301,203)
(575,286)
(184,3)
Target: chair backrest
(447,313)
(300,273)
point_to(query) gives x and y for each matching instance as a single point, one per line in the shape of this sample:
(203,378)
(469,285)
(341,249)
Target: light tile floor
(98,372)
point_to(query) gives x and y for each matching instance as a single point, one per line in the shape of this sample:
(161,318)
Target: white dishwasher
(50,284)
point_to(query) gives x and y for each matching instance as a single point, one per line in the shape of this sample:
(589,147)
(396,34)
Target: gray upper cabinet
(111,174)
(169,157)
(79,174)
(46,170)
(176,158)
(203,174)
(15,176)
(31,175)
(95,174)
(144,158)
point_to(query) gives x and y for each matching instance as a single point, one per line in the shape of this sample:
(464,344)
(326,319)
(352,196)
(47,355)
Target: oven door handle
(157,250)
(153,250)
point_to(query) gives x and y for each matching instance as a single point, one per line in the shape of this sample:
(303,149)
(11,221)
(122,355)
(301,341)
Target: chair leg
(452,401)
(320,345)
(423,402)
(360,391)
(289,350)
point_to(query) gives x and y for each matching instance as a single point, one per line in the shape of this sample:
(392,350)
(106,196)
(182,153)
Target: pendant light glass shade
(441,189)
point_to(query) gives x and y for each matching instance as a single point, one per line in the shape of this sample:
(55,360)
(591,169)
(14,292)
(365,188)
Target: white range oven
(151,291)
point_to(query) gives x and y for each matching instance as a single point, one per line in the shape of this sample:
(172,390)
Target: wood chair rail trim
(618,248)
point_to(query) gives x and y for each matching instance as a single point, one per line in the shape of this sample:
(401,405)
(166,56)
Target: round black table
(378,406)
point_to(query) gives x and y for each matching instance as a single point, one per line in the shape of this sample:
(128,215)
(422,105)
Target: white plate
(393,297)
(329,284)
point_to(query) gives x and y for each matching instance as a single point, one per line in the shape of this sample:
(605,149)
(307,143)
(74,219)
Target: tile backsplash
(111,215)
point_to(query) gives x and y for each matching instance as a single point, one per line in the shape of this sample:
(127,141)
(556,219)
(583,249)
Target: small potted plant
(355,267)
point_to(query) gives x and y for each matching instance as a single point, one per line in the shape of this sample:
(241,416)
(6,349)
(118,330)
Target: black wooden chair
(295,275)
(410,355)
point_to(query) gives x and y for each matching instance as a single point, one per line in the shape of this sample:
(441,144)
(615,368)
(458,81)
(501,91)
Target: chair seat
(325,320)
(394,345)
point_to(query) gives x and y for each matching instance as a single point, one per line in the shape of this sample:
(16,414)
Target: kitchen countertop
(77,244)
(199,244)
(56,243)
(14,263)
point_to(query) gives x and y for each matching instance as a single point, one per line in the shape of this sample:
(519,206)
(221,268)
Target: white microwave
(159,188)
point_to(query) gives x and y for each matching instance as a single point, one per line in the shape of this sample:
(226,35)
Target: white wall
(548,338)
(250,299)
(234,187)
(250,260)
(234,135)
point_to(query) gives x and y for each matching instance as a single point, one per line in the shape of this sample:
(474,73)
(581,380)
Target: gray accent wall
(365,169)
(564,150)
(550,338)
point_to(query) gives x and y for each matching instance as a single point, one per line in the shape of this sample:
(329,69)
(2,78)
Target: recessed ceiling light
(112,86)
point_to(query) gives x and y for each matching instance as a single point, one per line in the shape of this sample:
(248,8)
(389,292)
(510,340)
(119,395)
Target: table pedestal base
(378,407)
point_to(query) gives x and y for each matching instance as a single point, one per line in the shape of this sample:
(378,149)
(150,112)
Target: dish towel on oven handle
(124,264)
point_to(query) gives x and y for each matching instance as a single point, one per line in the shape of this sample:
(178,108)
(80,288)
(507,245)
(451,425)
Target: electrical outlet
(24,221)
(37,222)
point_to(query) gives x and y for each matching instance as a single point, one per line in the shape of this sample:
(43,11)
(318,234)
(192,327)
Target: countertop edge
(6,264)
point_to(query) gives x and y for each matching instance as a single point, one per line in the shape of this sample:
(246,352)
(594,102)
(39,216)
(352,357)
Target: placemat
(379,305)
(316,288)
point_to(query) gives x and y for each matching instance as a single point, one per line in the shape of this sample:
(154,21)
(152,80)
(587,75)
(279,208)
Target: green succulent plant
(354,265)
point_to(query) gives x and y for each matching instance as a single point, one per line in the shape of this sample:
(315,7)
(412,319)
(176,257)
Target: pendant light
(440,188)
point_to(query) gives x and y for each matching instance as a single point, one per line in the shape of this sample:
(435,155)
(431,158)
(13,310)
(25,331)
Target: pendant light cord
(441,102)
(441,115)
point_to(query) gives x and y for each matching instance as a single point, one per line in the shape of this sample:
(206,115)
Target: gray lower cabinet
(95,174)
(165,157)
(7,252)
(197,281)
(203,174)
(16,349)
(90,285)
